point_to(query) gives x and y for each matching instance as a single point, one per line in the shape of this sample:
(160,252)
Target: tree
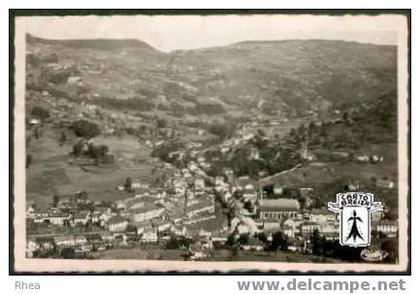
(97,152)
(85,129)
(28,160)
(63,138)
(391,247)
(128,183)
(161,123)
(164,150)
(262,237)
(40,113)
(221,130)
(316,241)
(82,195)
(68,253)
(78,149)
(233,207)
(248,206)
(37,132)
(243,239)
(177,243)
(311,126)
(261,133)
(293,132)
(56,199)
(279,242)
(142,129)
(231,240)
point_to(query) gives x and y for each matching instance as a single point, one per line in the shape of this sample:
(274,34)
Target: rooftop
(200,204)
(116,220)
(63,238)
(147,207)
(388,223)
(279,204)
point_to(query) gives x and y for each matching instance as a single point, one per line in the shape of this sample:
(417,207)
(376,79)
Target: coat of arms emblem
(355,209)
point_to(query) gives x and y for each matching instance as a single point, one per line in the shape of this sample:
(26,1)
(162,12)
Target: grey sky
(168,33)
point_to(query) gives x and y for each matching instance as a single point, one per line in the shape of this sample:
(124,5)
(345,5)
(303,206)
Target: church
(278,208)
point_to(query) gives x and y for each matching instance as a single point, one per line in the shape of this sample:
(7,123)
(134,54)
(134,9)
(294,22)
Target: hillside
(99,44)
(293,77)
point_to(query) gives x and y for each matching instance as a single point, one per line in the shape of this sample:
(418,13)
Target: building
(219,181)
(278,208)
(197,251)
(106,215)
(31,212)
(289,231)
(131,203)
(179,230)
(306,192)
(179,186)
(192,166)
(162,225)
(227,195)
(249,193)
(83,250)
(107,237)
(34,122)
(253,244)
(199,183)
(136,185)
(64,241)
(224,149)
(376,216)
(45,243)
(94,239)
(31,247)
(270,225)
(58,218)
(388,228)
(385,184)
(194,145)
(74,80)
(307,228)
(289,228)
(322,216)
(149,236)
(80,240)
(278,189)
(176,216)
(117,224)
(82,218)
(220,237)
(147,212)
(329,230)
(201,159)
(200,208)
(229,174)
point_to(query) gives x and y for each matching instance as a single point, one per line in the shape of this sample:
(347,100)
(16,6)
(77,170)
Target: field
(51,171)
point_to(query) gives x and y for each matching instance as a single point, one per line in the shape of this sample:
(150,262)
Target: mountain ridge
(96,43)
(292,76)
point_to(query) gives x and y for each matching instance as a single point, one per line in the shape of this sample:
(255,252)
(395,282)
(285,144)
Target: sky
(168,33)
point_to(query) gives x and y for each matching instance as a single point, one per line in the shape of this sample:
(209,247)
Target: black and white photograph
(211,142)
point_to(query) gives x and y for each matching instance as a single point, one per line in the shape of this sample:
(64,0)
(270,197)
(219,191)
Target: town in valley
(217,154)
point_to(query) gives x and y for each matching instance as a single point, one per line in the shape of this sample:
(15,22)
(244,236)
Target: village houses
(147,212)
(117,224)
(200,208)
